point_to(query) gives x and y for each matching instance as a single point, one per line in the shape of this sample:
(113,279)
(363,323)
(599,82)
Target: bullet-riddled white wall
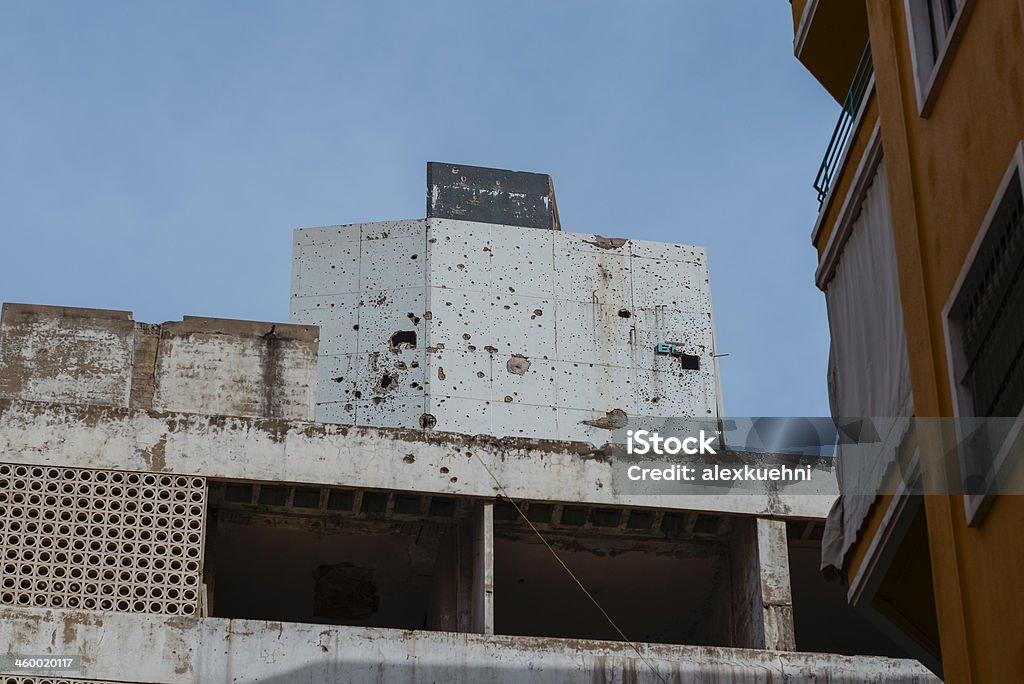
(481,328)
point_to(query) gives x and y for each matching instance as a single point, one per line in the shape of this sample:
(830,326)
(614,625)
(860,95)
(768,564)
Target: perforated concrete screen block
(101,540)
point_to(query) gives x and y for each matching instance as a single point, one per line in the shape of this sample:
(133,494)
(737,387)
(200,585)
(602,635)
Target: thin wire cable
(571,574)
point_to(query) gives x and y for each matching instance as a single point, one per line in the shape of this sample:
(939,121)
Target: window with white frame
(932,25)
(984,319)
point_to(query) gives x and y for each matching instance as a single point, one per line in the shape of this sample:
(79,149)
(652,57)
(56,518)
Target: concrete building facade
(172,511)
(484,327)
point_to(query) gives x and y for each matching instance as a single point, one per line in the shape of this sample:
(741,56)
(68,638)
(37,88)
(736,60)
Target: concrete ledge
(231,326)
(174,650)
(263,449)
(19,313)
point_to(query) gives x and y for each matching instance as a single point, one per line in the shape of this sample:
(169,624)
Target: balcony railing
(847,117)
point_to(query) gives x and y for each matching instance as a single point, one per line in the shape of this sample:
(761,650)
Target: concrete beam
(197,650)
(39,433)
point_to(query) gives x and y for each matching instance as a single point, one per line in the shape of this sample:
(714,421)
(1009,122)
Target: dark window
(990,312)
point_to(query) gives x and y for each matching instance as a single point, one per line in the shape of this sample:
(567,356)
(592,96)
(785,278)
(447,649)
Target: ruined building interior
(369,492)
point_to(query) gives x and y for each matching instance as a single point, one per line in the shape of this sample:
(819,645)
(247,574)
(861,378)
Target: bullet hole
(508,399)
(490,349)
(414,364)
(357,394)
(386,382)
(466,336)
(348,407)
(413,317)
(518,364)
(377,401)
(512,289)
(440,373)
(444,471)
(428,316)
(454,479)
(427,421)
(480,374)
(613,420)
(606,243)
(461,267)
(338,379)
(413,257)
(382,300)
(355,327)
(538,312)
(471,347)
(402,338)
(409,458)
(624,313)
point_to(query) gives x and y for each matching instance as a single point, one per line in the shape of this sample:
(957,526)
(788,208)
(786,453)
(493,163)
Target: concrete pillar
(483,568)
(760,600)
(776,590)
(463,596)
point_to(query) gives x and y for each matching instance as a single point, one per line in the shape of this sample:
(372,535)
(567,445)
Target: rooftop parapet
(198,365)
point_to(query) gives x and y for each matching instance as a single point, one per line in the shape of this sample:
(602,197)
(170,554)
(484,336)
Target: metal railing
(851,107)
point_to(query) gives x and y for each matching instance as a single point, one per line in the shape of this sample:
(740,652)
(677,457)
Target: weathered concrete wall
(202,365)
(236,368)
(182,650)
(51,353)
(503,330)
(36,433)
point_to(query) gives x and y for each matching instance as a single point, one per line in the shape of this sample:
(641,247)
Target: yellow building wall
(944,171)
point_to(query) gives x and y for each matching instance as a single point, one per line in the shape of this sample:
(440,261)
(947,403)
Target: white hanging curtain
(868,372)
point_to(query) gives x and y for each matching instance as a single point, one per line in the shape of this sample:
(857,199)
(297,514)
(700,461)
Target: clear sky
(155,156)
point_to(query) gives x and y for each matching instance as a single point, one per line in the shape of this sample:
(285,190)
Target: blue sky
(155,157)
